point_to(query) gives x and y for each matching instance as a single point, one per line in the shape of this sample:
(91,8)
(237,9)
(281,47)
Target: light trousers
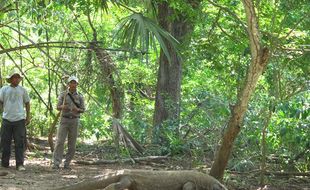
(67,128)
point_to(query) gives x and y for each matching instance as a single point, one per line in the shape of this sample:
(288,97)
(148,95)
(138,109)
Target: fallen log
(150,180)
(32,147)
(123,135)
(271,173)
(288,173)
(140,159)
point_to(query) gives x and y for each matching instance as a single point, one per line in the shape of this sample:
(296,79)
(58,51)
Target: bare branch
(68,44)
(233,38)
(294,27)
(295,49)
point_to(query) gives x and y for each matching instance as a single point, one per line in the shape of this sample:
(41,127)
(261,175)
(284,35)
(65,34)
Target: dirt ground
(40,176)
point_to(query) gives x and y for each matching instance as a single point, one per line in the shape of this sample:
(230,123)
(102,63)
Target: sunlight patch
(70,176)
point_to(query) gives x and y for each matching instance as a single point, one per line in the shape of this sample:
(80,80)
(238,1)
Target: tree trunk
(108,73)
(108,70)
(259,61)
(51,132)
(168,92)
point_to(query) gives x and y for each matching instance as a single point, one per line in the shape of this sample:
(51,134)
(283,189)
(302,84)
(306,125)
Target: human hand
(75,110)
(64,107)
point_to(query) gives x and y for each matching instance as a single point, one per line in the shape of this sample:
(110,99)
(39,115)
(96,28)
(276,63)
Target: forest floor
(40,176)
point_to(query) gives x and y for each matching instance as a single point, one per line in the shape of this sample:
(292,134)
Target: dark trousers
(17,131)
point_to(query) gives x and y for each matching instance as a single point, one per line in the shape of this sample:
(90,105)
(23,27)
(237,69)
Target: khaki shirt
(79,100)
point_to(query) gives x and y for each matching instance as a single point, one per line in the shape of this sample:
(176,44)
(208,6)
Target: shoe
(21,168)
(55,167)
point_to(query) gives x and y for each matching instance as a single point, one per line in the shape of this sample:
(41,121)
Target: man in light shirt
(16,115)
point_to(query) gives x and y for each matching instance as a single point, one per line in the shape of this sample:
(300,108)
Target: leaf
(40,31)
(137,29)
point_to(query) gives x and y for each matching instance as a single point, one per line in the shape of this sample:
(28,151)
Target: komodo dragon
(150,180)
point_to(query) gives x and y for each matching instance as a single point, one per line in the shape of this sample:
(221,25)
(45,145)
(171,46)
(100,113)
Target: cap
(14,72)
(73,78)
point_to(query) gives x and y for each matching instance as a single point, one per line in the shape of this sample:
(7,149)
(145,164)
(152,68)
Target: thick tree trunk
(169,76)
(167,101)
(258,63)
(168,92)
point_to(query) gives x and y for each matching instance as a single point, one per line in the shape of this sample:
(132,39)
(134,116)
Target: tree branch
(69,44)
(294,27)
(231,13)
(60,67)
(252,28)
(230,36)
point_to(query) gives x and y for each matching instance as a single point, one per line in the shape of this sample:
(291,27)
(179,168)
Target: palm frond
(137,29)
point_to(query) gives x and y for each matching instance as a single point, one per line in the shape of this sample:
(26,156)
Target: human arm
(1,106)
(26,100)
(27,105)
(1,100)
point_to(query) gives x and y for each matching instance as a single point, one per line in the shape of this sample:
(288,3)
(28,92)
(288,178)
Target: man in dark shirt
(71,104)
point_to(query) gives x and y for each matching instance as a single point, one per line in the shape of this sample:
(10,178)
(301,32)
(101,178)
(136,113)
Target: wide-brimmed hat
(14,72)
(73,78)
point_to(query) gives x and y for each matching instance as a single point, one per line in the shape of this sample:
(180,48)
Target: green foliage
(293,123)
(95,125)
(213,70)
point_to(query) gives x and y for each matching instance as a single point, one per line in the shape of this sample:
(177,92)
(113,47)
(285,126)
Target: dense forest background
(222,82)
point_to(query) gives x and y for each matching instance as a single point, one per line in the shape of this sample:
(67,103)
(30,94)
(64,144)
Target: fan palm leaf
(137,29)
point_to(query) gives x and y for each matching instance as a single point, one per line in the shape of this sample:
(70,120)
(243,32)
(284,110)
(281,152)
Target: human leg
(72,136)
(60,141)
(6,140)
(19,141)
